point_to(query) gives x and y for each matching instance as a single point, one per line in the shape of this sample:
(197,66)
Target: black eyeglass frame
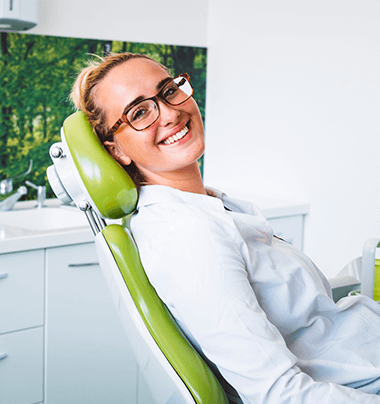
(124,119)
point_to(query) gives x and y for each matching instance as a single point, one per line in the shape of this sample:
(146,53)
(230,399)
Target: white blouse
(253,305)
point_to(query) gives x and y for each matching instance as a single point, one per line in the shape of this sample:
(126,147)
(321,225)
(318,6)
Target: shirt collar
(152,194)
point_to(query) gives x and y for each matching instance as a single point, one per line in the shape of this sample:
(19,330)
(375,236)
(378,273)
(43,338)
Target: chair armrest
(342,285)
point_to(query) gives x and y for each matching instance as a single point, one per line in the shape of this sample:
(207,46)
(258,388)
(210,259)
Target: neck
(188,179)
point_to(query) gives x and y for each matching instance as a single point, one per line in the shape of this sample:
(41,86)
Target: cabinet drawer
(21,290)
(289,228)
(21,371)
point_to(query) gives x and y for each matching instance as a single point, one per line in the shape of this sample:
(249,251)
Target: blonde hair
(84,91)
(84,97)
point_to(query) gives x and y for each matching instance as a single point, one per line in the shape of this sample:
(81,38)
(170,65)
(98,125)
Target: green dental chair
(84,172)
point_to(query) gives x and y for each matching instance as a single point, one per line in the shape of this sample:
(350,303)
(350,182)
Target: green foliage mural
(36,75)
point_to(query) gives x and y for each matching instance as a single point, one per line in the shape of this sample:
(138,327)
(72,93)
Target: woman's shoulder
(166,216)
(181,231)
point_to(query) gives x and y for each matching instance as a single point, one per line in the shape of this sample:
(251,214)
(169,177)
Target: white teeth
(177,136)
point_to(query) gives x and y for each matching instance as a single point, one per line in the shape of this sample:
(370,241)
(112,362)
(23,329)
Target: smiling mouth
(176,137)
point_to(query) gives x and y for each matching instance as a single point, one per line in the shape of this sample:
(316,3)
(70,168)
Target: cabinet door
(88,359)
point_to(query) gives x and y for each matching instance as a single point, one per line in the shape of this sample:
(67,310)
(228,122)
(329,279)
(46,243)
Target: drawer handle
(3,275)
(86,264)
(3,356)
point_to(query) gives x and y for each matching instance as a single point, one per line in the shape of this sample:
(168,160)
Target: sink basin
(44,219)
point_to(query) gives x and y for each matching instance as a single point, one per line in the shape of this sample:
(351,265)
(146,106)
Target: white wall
(175,22)
(293,106)
(292,101)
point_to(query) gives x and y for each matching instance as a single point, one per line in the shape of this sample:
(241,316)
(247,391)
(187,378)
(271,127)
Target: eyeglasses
(145,113)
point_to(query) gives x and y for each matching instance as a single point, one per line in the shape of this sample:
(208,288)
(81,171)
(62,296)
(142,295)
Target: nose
(169,114)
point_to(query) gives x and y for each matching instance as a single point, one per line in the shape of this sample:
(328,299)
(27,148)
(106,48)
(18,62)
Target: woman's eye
(170,92)
(138,114)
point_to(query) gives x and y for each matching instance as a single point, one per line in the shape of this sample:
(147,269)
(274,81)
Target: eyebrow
(140,98)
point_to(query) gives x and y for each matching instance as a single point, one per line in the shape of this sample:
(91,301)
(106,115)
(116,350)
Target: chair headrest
(106,185)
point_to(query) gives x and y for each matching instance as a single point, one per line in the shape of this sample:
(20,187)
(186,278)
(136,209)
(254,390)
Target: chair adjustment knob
(84,205)
(56,152)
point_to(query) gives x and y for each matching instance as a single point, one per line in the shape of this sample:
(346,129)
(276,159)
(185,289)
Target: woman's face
(157,160)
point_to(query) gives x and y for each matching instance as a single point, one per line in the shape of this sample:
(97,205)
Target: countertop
(274,208)
(15,238)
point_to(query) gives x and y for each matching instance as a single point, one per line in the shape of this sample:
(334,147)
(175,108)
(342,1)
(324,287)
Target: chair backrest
(85,173)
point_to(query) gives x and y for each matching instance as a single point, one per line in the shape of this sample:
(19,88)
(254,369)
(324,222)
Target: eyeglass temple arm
(115,127)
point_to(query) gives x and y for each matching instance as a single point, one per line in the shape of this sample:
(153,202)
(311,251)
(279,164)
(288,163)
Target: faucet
(6,188)
(9,202)
(41,193)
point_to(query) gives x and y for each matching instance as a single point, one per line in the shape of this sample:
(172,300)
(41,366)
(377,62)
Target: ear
(114,150)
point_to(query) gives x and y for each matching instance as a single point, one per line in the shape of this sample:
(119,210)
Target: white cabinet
(289,228)
(88,359)
(21,327)
(286,218)
(61,339)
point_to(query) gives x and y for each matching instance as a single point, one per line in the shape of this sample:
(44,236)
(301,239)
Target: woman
(252,304)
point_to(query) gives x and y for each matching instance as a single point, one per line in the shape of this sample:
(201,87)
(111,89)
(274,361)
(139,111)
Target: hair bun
(79,88)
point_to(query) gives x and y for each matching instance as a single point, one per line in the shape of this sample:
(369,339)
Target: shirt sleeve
(198,271)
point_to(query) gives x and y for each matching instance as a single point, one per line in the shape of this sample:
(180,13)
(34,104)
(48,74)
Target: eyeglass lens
(146,112)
